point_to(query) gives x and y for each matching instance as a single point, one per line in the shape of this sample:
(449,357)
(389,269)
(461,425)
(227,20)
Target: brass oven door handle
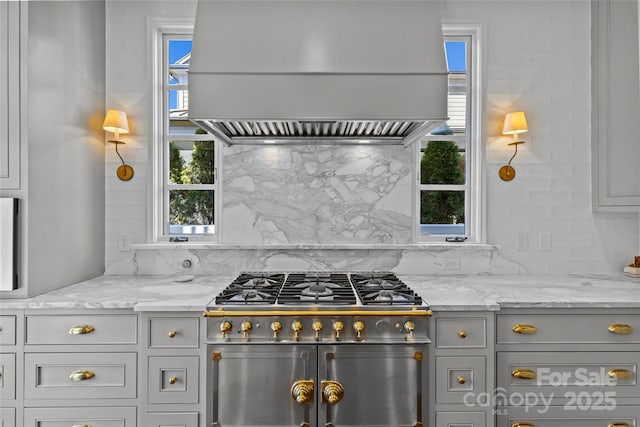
(81,375)
(332,392)
(81,330)
(302,391)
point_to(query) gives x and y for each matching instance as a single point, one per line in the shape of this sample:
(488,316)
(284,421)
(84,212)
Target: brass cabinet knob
(172,334)
(337,327)
(172,380)
(81,330)
(358,326)
(524,329)
(81,375)
(620,329)
(276,327)
(246,327)
(523,374)
(522,425)
(462,333)
(225,328)
(296,327)
(317,328)
(409,327)
(620,374)
(332,392)
(302,392)
(461,380)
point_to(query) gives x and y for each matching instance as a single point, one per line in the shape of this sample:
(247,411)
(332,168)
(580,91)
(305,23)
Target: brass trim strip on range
(316,313)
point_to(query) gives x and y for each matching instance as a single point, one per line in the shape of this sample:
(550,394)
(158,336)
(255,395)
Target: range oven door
(254,385)
(372,385)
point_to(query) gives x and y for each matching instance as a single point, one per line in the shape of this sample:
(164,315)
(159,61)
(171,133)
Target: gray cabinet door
(79,329)
(84,416)
(458,376)
(7,376)
(7,330)
(80,375)
(559,416)
(460,419)
(173,419)
(7,417)
(174,332)
(173,379)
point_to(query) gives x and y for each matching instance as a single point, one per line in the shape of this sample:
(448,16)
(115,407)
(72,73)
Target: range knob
(337,327)
(275,328)
(246,328)
(409,327)
(317,328)
(225,328)
(358,326)
(296,327)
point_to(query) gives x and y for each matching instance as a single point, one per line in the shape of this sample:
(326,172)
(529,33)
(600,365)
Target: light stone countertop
(442,293)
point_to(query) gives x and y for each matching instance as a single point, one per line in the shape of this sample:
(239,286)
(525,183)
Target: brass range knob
(302,391)
(358,326)
(276,327)
(225,328)
(409,327)
(332,392)
(317,328)
(337,327)
(296,327)
(246,327)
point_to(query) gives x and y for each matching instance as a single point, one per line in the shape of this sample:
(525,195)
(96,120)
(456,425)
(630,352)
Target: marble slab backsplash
(318,194)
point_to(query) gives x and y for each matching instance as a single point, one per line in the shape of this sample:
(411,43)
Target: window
(448,175)
(187,155)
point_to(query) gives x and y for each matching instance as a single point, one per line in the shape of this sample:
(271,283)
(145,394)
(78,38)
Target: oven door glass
(253,385)
(371,385)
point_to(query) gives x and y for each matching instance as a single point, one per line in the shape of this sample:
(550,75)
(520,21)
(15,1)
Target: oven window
(449,187)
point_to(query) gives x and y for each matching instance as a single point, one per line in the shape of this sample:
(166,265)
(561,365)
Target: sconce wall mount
(514,124)
(115,121)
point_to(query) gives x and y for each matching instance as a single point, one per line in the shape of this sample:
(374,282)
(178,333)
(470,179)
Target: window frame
(158,231)
(475,229)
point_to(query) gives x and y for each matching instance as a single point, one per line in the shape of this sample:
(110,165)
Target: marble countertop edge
(313,246)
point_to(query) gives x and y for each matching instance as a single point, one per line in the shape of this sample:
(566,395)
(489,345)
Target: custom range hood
(318,71)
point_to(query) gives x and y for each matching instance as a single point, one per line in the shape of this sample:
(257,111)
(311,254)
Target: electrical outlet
(451,264)
(124,241)
(544,244)
(523,241)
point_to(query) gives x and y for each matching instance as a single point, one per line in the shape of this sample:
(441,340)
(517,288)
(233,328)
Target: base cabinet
(559,416)
(173,419)
(461,419)
(67,417)
(7,417)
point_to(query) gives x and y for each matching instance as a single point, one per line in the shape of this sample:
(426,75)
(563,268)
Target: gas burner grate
(252,288)
(317,288)
(383,289)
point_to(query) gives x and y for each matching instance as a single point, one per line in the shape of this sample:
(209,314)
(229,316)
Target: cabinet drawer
(565,329)
(173,332)
(559,416)
(82,329)
(461,419)
(457,376)
(560,374)
(80,375)
(7,330)
(174,419)
(71,417)
(461,332)
(7,376)
(7,417)
(173,379)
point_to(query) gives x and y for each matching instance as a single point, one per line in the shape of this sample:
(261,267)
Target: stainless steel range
(317,349)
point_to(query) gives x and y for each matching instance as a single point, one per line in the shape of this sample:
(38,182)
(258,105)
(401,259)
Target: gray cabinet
(461,419)
(173,419)
(7,376)
(7,417)
(173,379)
(616,105)
(559,416)
(80,417)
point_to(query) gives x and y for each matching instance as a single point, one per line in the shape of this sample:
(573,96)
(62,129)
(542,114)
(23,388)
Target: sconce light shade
(115,121)
(514,124)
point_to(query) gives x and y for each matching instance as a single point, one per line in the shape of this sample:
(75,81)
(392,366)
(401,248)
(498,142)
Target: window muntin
(189,154)
(447,167)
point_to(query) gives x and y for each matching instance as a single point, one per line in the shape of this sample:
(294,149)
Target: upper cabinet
(9,95)
(616,105)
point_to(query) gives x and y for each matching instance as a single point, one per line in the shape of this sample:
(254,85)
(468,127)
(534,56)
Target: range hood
(318,71)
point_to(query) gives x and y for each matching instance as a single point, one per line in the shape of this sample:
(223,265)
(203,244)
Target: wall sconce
(514,124)
(116,121)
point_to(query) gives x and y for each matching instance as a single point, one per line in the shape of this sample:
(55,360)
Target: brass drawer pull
(619,425)
(172,334)
(81,375)
(82,425)
(620,329)
(620,374)
(462,333)
(525,329)
(524,374)
(172,380)
(461,380)
(521,425)
(81,330)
